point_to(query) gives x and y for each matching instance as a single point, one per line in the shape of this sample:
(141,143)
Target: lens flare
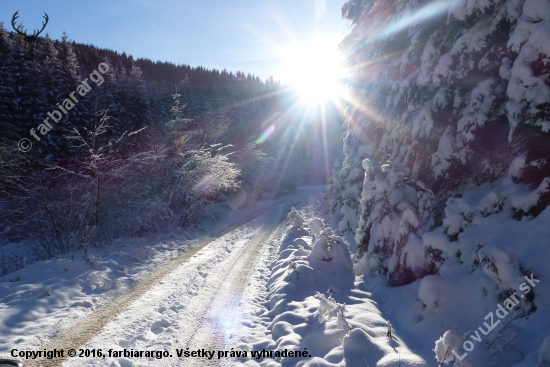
(421,15)
(265,135)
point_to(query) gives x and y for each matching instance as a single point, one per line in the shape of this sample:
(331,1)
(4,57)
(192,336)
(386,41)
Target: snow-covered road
(190,302)
(217,323)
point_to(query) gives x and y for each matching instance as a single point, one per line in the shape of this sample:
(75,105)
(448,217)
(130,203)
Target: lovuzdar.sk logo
(29,39)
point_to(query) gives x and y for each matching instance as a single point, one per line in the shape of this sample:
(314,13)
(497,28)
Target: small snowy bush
(328,308)
(331,248)
(501,266)
(532,202)
(292,269)
(444,346)
(315,226)
(342,323)
(490,204)
(297,218)
(93,260)
(430,293)
(458,215)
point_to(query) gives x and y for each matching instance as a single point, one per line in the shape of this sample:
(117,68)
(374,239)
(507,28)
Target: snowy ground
(258,287)
(282,309)
(466,308)
(173,314)
(44,301)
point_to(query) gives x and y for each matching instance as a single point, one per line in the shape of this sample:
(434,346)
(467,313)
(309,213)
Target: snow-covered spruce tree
(10,130)
(452,93)
(13,167)
(397,211)
(131,104)
(334,189)
(69,77)
(351,174)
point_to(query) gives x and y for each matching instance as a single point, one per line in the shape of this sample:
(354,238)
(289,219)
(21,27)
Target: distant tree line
(34,78)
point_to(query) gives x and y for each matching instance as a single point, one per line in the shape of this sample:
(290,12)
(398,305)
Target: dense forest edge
(441,104)
(445,183)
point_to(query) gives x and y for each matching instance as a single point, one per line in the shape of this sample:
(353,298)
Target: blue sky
(247,35)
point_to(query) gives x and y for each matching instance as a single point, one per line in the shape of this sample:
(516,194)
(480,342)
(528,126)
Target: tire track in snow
(219,319)
(78,335)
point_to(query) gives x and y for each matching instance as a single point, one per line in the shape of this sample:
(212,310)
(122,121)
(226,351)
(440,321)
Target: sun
(314,69)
